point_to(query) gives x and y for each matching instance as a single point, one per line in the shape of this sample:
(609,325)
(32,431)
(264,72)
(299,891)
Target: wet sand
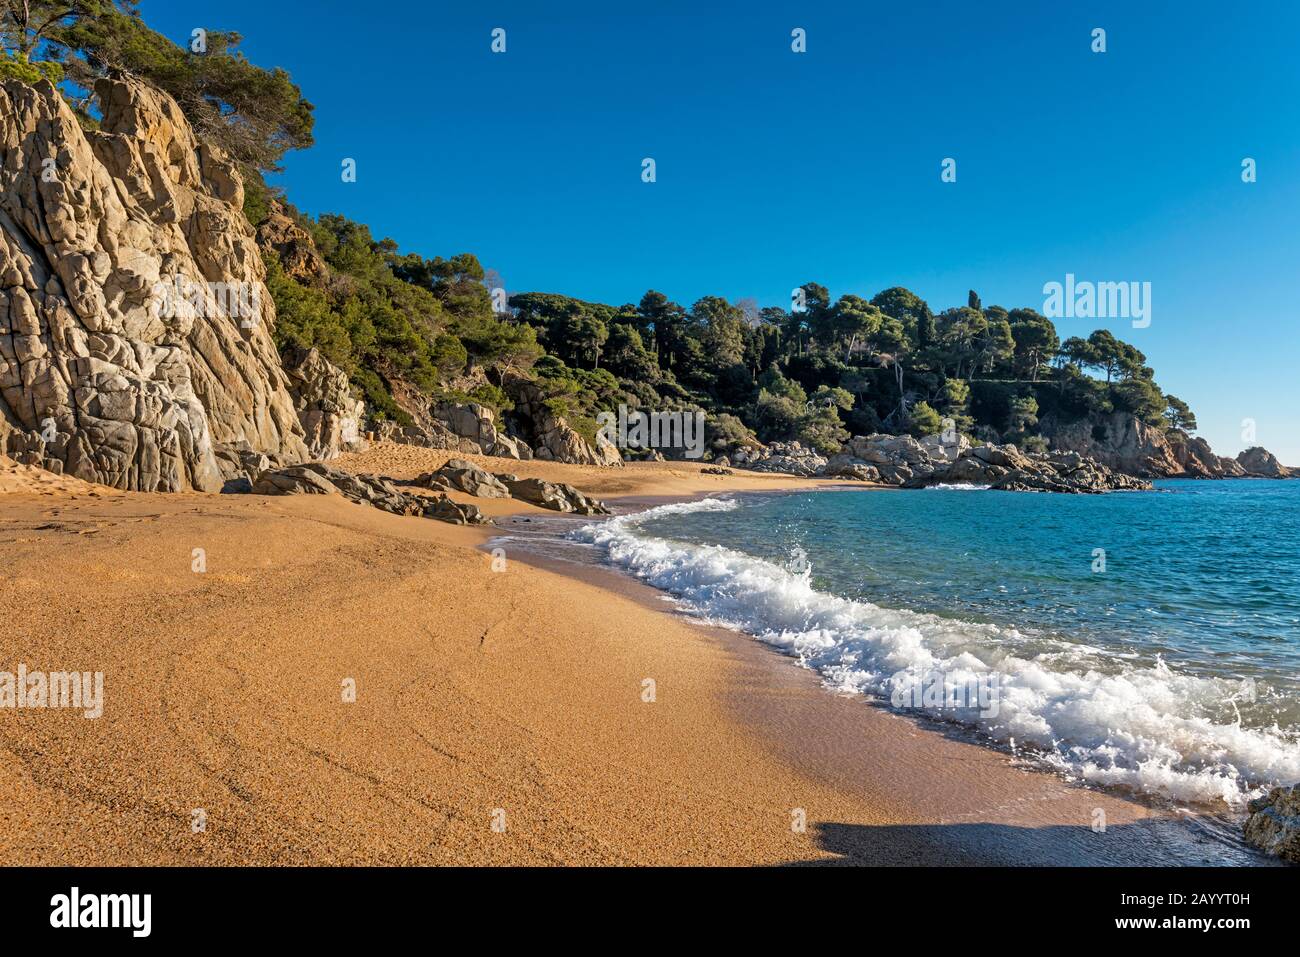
(500,717)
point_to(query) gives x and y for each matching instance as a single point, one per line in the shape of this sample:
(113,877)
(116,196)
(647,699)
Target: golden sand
(499,717)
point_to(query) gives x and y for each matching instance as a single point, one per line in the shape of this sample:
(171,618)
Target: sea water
(1147,641)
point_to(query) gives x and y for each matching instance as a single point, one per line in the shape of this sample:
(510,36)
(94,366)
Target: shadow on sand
(1145,843)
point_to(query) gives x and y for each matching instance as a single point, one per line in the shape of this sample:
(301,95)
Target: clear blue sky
(775,168)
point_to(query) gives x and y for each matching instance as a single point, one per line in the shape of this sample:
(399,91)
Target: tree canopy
(254,114)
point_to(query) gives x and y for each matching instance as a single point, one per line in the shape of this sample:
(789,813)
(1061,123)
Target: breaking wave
(1147,728)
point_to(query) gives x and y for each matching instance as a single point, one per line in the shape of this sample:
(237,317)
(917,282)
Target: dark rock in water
(1274,823)
(911,463)
(458,475)
(556,496)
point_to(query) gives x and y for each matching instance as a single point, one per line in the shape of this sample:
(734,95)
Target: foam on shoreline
(1145,728)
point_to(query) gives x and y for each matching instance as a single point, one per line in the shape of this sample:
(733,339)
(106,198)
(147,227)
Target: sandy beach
(498,715)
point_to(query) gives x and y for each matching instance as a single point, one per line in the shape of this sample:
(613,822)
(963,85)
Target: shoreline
(1000,810)
(476,693)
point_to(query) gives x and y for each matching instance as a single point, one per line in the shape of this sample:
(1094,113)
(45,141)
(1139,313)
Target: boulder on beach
(459,475)
(555,495)
(315,478)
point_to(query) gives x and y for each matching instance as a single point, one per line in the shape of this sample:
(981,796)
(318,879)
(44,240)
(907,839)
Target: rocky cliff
(550,435)
(1122,442)
(135,328)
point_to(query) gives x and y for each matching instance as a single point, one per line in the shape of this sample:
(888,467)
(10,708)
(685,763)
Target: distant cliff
(1124,443)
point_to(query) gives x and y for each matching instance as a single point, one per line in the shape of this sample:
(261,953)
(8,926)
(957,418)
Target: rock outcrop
(549,435)
(789,457)
(553,495)
(1264,464)
(894,459)
(429,436)
(1118,441)
(1198,460)
(461,476)
(1006,468)
(135,328)
(315,478)
(916,463)
(477,425)
(330,416)
(467,428)
(1122,442)
(1274,823)
(280,234)
(458,475)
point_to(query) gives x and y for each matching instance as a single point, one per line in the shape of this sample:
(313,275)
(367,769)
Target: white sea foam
(1144,727)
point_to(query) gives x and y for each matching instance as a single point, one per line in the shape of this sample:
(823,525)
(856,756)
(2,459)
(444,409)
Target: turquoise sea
(1148,641)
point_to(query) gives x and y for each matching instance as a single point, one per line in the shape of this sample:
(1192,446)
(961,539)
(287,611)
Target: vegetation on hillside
(402,326)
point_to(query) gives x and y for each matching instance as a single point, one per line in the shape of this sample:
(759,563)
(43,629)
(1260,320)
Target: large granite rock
(459,475)
(1198,460)
(477,424)
(916,463)
(135,328)
(1125,444)
(1262,463)
(294,480)
(1274,823)
(553,495)
(550,435)
(1119,441)
(432,435)
(1007,468)
(792,458)
(330,415)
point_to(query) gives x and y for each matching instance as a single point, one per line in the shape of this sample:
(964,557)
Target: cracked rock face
(329,414)
(135,329)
